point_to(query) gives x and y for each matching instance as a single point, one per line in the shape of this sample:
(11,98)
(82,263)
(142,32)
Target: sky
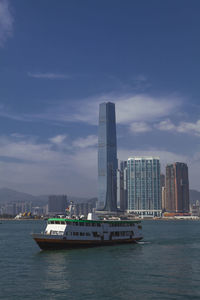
(60,59)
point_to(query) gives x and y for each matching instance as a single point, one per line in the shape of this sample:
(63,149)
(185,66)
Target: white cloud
(182,127)
(49,75)
(189,127)
(18,135)
(129,109)
(140,127)
(165,125)
(144,108)
(26,149)
(41,168)
(58,139)
(90,140)
(6,22)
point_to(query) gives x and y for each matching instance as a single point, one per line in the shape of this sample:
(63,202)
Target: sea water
(166,265)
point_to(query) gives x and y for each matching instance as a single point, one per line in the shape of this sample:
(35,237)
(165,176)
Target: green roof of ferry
(94,221)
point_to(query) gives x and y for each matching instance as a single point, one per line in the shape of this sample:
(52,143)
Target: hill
(194,195)
(9,195)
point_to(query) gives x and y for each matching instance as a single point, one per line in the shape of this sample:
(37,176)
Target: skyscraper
(162,186)
(107,158)
(177,188)
(122,193)
(57,204)
(144,193)
(170,189)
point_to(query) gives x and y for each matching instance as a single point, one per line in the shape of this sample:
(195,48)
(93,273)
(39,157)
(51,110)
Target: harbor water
(166,265)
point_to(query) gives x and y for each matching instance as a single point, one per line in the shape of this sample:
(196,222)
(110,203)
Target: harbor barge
(74,233)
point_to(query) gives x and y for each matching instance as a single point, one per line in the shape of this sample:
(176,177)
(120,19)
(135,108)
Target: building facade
(107,158)
(144,192)
(170,189)
(57,204)
(162,186)
(177,188)
(122,189)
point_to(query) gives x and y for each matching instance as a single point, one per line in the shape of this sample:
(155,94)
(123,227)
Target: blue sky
(60,59)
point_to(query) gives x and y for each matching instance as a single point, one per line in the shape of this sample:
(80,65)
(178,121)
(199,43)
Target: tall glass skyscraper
(107,158)
(144,192)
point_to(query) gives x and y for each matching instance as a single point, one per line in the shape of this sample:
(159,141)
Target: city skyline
(144,57)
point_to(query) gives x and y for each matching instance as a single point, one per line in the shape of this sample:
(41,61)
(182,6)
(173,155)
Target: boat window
(81,224)
(57,222)
(95,234)
(62,222)
(98,224)
(82,233)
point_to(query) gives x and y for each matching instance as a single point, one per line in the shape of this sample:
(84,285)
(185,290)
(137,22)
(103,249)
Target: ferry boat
(64,233)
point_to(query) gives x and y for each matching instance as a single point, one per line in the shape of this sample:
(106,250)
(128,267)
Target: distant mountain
(194,196)
(9,195)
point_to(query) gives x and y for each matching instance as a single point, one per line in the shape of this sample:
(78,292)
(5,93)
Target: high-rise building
(144,193)
(122,193)
(163,196)
(162,180)
(170,189)
(177,188)
(107,158)
(162,186)
(57,204)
